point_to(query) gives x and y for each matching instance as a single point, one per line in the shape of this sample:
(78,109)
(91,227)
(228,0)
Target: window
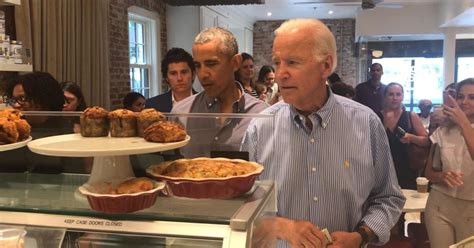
(415,64)
(465,68)
(143,51)
(464,56)
(423,75)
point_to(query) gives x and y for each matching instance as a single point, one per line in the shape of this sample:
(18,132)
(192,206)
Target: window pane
(426,74)
(141,54)
(132,79)
(133,54)
(146,80)
(140,33)
(465,68)
(137,78)
(146,93)
(131,32)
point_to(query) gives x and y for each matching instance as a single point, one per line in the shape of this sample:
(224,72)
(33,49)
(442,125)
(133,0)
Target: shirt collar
(238,105)
(323,115)
(173,101)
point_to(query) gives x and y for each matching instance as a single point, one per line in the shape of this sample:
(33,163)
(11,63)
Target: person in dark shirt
(177,69)
(343,89)
(371,93)
(134,101)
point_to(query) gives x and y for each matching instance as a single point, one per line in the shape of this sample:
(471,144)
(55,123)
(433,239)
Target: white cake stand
(111,155)
(16,145)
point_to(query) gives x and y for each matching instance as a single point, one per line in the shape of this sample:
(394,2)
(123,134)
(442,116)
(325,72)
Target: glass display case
(39,193)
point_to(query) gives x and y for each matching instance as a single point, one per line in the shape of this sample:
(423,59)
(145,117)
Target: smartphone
(400,132)
(438,117)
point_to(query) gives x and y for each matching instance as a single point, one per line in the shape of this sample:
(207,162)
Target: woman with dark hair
(451,201)
(245,74)
(134,101)
(36,91)
(74,99)
(266,76)
(402,128)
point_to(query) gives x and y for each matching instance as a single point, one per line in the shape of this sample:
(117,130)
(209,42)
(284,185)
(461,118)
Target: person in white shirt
(450,208)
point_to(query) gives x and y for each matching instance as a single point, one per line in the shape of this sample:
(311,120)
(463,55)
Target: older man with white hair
(330,157)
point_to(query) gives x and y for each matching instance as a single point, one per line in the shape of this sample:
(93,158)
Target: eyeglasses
(19,99)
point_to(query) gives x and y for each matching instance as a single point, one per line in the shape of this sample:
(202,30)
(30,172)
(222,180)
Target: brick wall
(118,44)
(343,30)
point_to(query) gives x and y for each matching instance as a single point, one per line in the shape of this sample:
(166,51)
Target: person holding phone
(449,210)
(402,127)
(437,118)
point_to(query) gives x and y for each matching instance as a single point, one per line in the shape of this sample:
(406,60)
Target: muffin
(147,117)
(164,132)
(123,123)
(94,122)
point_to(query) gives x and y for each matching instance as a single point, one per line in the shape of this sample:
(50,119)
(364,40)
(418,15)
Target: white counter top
(416,202)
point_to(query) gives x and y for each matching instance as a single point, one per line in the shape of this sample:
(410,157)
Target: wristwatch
(364,235)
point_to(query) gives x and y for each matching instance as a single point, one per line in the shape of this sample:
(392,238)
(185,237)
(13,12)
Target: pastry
(123,123)
(11,114)
(134,185)
(164,132)
(8,132)
(24,129)
(205,168)
(147,117)
(94,122)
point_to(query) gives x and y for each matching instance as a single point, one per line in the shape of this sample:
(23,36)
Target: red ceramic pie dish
(120,203)
(214,188)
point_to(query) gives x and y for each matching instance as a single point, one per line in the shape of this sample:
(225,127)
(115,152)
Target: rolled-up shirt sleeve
(385,202)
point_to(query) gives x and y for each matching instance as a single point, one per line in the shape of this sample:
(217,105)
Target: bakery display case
(40,194)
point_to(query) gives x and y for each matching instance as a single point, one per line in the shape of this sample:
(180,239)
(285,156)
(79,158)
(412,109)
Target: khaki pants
(448,220)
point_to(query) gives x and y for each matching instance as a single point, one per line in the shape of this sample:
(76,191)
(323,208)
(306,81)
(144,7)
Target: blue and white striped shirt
(336,175)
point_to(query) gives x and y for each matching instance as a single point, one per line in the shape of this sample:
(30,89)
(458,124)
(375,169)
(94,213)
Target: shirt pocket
(448,156)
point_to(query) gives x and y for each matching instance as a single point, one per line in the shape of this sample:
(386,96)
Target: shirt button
(313,169)
(315,198)
(311,140)
(216,138)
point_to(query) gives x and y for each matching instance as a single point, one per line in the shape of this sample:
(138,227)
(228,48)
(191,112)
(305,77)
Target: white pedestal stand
(111,155)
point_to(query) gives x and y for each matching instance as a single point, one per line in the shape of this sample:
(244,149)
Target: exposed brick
(343,30)
(118,43)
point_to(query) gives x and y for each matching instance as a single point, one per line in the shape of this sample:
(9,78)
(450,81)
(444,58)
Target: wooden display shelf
(10,2)
(16,67)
